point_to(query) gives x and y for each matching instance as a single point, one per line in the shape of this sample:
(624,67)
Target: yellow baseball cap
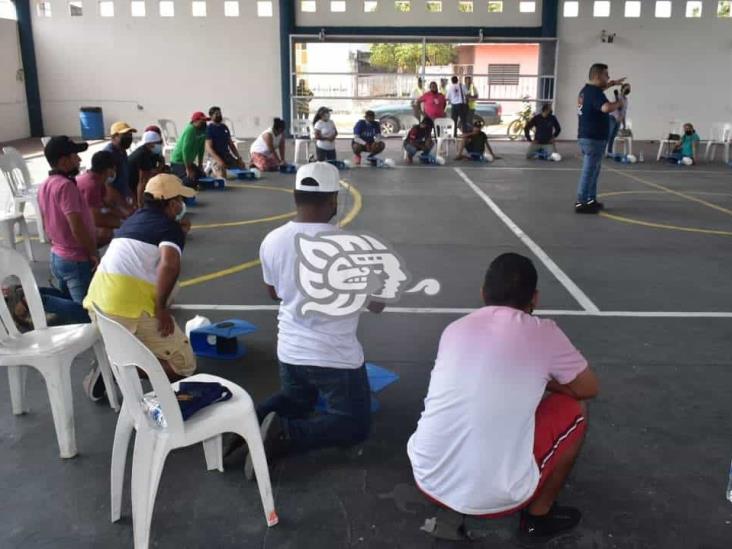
(121,127)
(165,186)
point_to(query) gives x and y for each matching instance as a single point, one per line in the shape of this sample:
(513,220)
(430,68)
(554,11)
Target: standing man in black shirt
(593,110)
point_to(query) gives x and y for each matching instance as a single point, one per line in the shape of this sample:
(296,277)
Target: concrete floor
(654,466)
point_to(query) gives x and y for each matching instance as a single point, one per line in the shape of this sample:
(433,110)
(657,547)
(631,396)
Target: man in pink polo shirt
(67,219)
(433,103)
(504,419)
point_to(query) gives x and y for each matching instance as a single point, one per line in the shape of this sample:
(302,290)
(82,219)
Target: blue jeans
(65,310)
(612,134)
(347,416)
(72,277)
(592,153)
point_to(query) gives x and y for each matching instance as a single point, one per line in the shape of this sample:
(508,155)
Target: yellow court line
(350,216)
(631,221)
(677,193)
(247,222)
(619,193)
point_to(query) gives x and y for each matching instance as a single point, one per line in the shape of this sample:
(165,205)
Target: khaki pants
(175,349)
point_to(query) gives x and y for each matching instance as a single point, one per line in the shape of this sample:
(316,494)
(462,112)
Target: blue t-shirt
(122,181)
(593,123)
(367,130)
(220,138)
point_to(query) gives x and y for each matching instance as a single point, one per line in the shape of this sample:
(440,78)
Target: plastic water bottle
(729,485)
(152,408)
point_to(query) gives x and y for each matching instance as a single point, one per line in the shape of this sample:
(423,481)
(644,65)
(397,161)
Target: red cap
(155,129)
(196,116)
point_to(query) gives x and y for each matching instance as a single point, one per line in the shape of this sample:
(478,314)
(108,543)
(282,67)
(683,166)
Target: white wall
(680,69)
(170,66)
(13,106)
(386,15)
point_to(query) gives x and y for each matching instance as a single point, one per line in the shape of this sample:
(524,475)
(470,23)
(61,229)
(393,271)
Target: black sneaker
(559,520)
(273,439)
(585,208)
(596,204)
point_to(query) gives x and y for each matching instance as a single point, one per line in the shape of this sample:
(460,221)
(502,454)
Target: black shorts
(324,154)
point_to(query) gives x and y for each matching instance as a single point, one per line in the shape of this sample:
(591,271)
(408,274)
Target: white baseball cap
(151,137)
(319,177)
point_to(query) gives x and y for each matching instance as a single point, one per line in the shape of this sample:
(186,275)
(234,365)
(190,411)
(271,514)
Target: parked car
(398,116)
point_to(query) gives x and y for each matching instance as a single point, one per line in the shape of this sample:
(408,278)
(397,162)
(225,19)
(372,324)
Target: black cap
(60,146)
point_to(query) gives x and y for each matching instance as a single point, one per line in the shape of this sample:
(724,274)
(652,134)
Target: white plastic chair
(7,229)
(13,171)
(239,143)
(170,135)
(445,128)
(665,145)
(301,133)
(51,351)
(626,141)
(720,135)
(153,442)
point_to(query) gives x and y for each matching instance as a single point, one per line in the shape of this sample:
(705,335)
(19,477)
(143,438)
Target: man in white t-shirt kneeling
(319,355)
(490,442)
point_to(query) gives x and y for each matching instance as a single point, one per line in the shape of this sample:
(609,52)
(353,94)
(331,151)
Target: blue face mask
(181,213)
(157,148)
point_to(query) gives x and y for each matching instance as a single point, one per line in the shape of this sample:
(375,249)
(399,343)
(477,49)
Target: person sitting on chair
(418,139)
(119,189)
(219,145)
(268,150)
(187,159)
(546,130)
(367,138)
(504,417)
(136,278)
(325,135)
(475,142)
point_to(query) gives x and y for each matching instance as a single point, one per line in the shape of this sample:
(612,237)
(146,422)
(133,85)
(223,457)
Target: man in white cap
(136,277)
(319,355)
(143,164)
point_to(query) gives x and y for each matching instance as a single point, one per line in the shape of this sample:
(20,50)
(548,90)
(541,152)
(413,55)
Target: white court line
(556,169)
(467,310)
(581,298)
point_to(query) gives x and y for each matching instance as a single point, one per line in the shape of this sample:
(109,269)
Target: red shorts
(559,423)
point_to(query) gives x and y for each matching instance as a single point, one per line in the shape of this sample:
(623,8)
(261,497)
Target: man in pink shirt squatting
(67,219)
(504,416)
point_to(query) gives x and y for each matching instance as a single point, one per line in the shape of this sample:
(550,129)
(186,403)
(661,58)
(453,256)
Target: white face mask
(181,213)
(111,179)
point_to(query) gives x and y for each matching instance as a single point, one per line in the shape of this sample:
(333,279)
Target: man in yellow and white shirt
(136,277)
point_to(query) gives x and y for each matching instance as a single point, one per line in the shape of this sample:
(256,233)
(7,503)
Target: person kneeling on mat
(319,355)
(135,279)
(367,138)
(219,145)
(546,130)
(268,150)
(490,442)
(186,161)
(475,143)
(325,135)
(419,138)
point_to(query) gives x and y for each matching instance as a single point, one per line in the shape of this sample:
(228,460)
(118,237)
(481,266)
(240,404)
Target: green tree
(392,57)
(724,9)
